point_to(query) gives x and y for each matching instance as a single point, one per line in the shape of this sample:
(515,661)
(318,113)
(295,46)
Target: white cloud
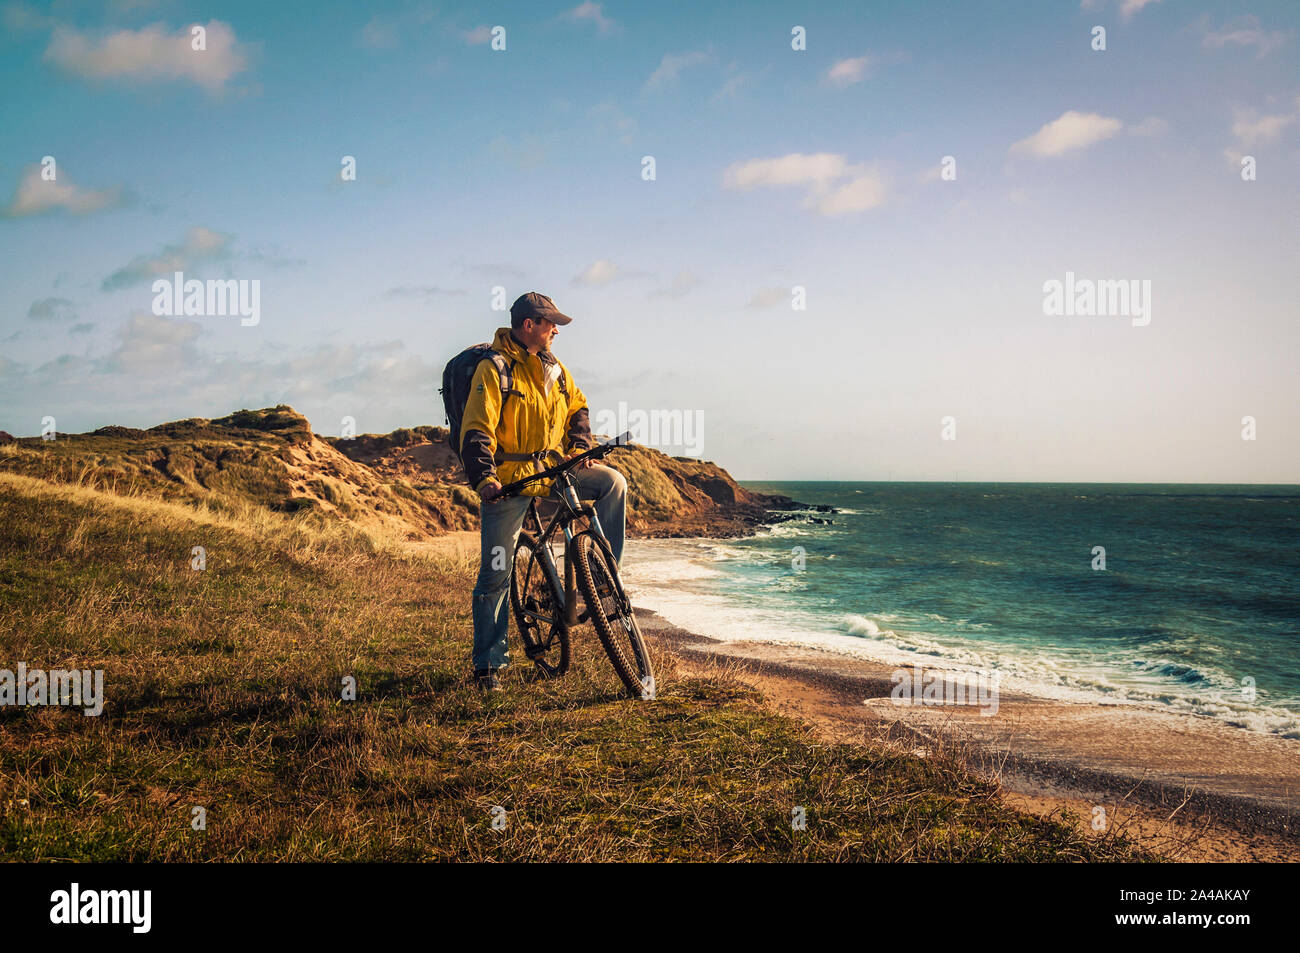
(859,194)
(835,187)
(151,343)
(150,54)
(1243,32)
(793,169)
(1072,130)
(35,196)
(593,13)
(1126,7)
(199,245)
(1129,7)
(671,66)
(847,72)
(478,36)
(599,273)
(1252,129)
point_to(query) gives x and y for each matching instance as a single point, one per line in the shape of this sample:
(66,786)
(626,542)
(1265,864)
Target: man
(544,421)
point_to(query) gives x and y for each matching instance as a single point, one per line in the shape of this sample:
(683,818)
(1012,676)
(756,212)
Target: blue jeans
(500,522)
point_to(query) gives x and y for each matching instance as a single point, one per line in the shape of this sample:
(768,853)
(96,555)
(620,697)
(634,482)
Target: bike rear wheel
(539,617)
(611,614)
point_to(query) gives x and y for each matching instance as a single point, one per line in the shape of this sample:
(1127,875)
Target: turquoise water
(1198,604)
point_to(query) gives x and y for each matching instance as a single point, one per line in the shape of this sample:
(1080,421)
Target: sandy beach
(1189,788)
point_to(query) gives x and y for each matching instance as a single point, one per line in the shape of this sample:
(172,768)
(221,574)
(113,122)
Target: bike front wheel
(611,614)
(539,615)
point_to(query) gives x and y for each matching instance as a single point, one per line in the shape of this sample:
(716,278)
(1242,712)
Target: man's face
(538,332)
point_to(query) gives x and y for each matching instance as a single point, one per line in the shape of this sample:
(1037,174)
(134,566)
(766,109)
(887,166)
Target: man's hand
(585,463)
(491,491)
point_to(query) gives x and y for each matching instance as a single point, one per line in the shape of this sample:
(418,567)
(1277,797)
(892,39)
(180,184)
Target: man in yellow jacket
(542,421)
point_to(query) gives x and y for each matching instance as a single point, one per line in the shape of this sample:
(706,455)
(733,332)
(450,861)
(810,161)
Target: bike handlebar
(595,453)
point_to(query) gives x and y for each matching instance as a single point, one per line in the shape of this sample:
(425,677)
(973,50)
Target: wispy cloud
(768,298)
(855,69)
(683,283)
(613,118)
(849,71)
(199,245)
(150,343)
(1242,32)
(1251,128)
(1067,133)
(1151,126)
(421,291)
(477,36)
(384,31)
(589,12)
(152,54)
(51,309)
(22,17)
(732,85)
(672,65)
(36,196)
(159,362)
(600,272)
(1127,8)
(379,33)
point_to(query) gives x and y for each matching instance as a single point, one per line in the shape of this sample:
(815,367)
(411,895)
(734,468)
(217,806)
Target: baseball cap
(538,307)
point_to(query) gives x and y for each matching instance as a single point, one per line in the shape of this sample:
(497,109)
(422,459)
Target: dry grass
(223,691)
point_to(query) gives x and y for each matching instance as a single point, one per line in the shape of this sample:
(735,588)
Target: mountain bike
(546,610)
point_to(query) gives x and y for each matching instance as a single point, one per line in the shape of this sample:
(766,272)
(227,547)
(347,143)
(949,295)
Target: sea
(1180,598)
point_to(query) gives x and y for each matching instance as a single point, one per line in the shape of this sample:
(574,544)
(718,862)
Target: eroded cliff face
(407,483)
(667,496)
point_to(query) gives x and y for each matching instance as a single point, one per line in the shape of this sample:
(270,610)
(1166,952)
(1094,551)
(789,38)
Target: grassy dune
(223,691)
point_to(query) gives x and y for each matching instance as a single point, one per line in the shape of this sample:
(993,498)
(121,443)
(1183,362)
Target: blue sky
(522,168)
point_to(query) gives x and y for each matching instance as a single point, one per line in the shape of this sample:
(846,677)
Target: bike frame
(570,508)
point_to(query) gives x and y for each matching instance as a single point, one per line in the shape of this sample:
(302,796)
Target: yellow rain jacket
(537,418)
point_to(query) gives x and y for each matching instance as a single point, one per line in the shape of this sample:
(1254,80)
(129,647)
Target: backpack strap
(505,371)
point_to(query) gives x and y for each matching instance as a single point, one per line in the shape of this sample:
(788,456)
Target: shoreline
(1187,790)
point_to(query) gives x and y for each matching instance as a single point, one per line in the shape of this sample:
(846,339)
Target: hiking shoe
(486,679)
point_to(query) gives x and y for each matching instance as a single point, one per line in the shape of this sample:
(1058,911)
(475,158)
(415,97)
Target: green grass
(223,691)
